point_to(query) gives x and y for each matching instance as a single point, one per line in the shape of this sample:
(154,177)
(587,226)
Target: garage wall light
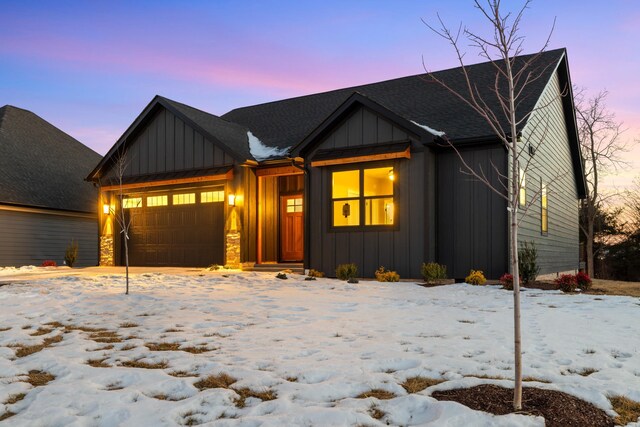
(232,199)
(106,209)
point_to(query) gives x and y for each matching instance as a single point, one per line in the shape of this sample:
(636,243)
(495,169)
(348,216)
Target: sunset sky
(91,67)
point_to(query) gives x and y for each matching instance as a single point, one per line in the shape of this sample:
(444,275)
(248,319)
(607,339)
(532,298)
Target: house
(44,200)
(352,175)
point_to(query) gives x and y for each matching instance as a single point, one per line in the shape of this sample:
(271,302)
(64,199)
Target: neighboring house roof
(41,166)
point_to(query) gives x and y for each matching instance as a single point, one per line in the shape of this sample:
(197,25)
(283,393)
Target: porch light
(232,199)
(391,175)
(106,209)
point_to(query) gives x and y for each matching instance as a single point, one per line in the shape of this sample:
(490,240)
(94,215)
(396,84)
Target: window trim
(360,167)
(522,188)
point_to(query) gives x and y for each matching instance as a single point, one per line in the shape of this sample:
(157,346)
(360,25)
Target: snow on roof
(432,131)
(260,151)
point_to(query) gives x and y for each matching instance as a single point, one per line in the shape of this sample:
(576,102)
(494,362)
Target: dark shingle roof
(42,166)
(232,135)
(418,98)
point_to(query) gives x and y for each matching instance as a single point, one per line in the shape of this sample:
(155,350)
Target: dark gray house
(44,200)
(359,175)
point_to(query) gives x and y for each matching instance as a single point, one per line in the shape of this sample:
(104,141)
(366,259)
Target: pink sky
(90,67)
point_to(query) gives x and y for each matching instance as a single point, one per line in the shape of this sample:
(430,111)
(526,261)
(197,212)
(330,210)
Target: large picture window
(362,197)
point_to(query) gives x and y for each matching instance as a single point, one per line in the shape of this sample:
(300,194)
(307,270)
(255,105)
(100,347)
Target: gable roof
(41,166)
(230,137)
(415,98)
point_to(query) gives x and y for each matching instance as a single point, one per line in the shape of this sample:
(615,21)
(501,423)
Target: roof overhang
(362,153)
(170,178)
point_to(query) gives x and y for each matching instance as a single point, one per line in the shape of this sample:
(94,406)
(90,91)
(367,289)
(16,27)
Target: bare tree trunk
(589,248)
(515,271)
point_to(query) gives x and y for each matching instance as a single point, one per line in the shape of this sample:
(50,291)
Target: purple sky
(90,67)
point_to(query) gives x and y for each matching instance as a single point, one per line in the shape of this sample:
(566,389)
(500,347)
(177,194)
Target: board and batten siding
(403,247)
(167,144)
(471,218)
(29,238)
(558,250)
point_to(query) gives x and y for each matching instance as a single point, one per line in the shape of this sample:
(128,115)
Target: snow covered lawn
(249,349)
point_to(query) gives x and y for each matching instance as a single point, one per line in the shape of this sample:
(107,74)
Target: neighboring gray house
(44,200)
(350,175)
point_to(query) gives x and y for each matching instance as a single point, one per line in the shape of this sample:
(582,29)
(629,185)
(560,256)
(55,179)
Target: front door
(291,228)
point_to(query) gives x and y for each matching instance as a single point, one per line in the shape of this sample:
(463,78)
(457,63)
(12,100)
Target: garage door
(180,228)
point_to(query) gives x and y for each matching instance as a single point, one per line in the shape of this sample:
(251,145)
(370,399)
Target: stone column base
(232,253)
(106,251)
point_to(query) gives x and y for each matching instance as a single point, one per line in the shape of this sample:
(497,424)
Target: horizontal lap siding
(559,249)
(31,238)
(471,219)
(167,144)
(401,248)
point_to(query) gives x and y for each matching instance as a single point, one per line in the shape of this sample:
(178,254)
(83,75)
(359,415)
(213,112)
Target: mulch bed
(545,285)
(558,409)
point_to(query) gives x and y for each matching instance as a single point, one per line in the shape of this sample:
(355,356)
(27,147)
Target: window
(184,199)
(363,196)
(133,202)
(157,201)
(523,190)
(211,196)
(294,205)
(544,215)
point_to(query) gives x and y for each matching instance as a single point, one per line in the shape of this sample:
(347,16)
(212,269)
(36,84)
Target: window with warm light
(544,214)
(523,190)
(211,196)
(131,202)
(363,197)
(184,199)
(294,205)
(153,201)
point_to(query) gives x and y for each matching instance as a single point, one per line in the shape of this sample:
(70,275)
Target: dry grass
(245,392)
(628,410)
(54,324)
(39,378)
(169,398)
(376,413)
(14,398)
(182,374)
(26,327)
(173,330)
(127,347)
(84,329)
(98,363)
(113,386)
(221,380)
(292,379)
(196,350)
(145,365)
(104,347)
(128,325)
(163,346)
(534,379)
(5,329)
(26,350)
(417,384)
(585,372)
(487,377)
(106,337)
(6,415)
(614,287)
(41,331)
(376,393)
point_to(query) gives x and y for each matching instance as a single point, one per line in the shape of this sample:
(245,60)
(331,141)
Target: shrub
(315,273)
(528,262)
(507,281)
(214,267)
(475,277)
(567,282)
(583,280)
(346,271)
(48,263)
(71,253)
(433,271)
(384,275)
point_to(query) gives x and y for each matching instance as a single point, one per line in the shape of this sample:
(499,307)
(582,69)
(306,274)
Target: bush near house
(583,280)
(506,280)
(475,277)
(346,271)
(567,282)
(384,275)
(315,273)
(528,262)
(433,271)
(71,253)
(48,263)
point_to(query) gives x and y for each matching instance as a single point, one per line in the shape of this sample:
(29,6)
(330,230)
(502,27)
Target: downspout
(307,221)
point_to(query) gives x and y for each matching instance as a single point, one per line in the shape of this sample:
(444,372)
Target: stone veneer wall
(106,251)
(233,250)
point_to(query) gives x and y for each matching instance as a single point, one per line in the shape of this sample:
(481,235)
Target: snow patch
(432,131)
(260,151)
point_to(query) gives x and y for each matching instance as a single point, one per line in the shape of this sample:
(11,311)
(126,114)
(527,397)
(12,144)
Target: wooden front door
(291,228)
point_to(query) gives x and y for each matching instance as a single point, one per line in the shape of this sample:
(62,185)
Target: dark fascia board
(572,126)
(46,208)
(142,118)
(356,99)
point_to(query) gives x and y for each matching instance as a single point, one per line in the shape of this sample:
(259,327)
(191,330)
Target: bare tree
(497,105)
(601,148)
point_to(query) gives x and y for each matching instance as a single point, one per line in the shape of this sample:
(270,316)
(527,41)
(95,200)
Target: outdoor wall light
(106,209)
(391,175)
(232,199)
